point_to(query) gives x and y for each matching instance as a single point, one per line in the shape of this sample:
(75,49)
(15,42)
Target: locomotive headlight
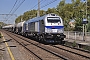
(60,30)
(49,30)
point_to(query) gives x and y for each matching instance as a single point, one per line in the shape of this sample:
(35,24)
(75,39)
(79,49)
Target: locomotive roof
(35,19)
(39,18)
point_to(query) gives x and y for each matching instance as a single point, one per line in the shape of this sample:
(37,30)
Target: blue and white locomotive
(48,28)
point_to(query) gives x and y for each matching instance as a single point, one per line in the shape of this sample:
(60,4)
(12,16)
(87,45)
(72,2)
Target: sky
(10,7)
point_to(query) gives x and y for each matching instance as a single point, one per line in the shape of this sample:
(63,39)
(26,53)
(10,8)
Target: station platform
(10,50)
(84,44)
(77,39)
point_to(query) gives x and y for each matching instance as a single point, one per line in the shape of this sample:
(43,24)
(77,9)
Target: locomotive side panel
(31,27)
(37,26)
(41,26)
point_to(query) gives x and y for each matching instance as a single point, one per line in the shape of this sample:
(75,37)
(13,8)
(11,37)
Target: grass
(74,44)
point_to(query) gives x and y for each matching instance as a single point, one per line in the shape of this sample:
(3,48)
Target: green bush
(74,44)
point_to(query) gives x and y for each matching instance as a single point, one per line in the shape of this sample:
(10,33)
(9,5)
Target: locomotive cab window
(53,20)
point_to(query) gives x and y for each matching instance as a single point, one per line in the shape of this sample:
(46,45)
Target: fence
(76,35)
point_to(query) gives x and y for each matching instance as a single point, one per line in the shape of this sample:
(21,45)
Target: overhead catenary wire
(13,6)
(37,4)
(32,7)
(48,3)
(40,2)
(16,8)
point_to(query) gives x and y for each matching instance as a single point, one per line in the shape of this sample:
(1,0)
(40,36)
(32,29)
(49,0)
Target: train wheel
(39,38)
(43,39)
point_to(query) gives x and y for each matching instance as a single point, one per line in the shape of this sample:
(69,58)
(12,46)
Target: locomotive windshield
(53,20)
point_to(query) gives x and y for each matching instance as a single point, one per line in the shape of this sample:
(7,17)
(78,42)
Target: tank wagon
(19,28)
(48,28)
(9,27)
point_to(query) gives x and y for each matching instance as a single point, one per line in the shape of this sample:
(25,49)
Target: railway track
(51,55)
(79,52)
(59,51)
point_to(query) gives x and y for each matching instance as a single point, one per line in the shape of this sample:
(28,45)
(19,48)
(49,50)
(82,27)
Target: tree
(51,10)
(67,11)
(29,15)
